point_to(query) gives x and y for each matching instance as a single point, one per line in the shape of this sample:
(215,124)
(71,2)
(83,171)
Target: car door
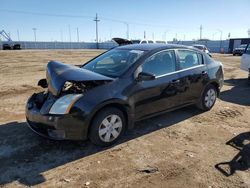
(192,75)
(159,94)
(245,59)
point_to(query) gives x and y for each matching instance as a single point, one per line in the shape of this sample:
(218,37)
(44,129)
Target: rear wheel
(208,98)
(107,127)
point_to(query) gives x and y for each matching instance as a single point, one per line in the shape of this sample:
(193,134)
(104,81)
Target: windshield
(114,62)
(243,46)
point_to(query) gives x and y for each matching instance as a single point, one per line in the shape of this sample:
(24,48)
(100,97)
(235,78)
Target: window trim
(182,70)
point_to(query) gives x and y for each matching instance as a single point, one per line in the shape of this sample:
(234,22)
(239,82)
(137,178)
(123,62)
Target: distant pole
(201,28)
(61,32)
(69,34)
(214,35)
(96,29)
(34,30)
(77,32)
(248,33)
(220,38)
(127,30)
(144,35)
(18,37)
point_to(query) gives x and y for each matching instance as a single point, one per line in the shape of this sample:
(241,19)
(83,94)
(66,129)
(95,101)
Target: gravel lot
(184,148)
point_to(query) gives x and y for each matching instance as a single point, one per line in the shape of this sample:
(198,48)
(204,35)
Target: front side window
(188,59)
(114,62)
(160,63)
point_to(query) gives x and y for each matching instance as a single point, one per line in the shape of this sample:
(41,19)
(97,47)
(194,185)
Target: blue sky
(160,19)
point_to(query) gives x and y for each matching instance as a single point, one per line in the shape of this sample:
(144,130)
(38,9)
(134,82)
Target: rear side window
(188,59)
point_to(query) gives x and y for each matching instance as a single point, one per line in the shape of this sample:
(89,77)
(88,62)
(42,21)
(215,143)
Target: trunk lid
(58,73)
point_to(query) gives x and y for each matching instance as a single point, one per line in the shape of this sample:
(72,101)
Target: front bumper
(58,127)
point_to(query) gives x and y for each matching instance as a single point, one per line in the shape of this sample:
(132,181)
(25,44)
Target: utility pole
(248,33)
(220,38)
(69,34)
(61,32)
(96,29)
(144,35)
(34,30)
(201,28)
(77,32)
(214,35)
(18,37)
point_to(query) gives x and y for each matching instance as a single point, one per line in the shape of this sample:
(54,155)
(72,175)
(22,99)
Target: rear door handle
(175,81)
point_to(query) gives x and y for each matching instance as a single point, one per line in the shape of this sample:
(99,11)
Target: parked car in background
(105,96)
(239,50)
(11,47)
(147,41)
(245,61)
(203,48)
(6,47)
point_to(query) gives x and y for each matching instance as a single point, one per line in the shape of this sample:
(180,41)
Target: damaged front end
(50,113)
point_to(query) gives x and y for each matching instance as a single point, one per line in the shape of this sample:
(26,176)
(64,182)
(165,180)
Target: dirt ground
(184,148)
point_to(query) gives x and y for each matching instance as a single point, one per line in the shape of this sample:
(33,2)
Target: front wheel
(107,126)
(208,98)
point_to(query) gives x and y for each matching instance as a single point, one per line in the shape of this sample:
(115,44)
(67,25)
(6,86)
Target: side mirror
(43,83)
(144,76)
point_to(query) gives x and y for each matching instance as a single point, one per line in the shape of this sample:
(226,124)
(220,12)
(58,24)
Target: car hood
(122,41)
(58,73)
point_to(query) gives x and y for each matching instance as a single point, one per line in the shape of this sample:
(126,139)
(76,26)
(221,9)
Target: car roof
(202,45)
(154,46)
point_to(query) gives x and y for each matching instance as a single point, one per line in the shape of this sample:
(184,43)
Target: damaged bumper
(58,127)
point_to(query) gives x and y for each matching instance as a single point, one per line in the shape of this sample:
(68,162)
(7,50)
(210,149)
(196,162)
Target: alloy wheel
(110,128)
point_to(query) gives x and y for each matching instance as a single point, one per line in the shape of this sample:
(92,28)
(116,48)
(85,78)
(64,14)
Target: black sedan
(105,96)
(240,50)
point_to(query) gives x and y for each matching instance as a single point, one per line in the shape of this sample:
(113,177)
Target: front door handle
(204,72)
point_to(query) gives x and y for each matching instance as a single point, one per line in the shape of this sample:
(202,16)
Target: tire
(208,98)
(107,126)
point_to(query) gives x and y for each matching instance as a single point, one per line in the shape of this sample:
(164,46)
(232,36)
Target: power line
(45,14)
(83,16)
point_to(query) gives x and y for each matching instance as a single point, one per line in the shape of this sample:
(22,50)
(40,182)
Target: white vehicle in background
(147,42)
(202,48)
(245,61)
(151,42)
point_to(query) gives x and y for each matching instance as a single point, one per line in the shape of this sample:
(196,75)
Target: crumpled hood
(58,73)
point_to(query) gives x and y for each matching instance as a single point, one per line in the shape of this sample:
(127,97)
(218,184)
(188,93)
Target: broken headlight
(63,104)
